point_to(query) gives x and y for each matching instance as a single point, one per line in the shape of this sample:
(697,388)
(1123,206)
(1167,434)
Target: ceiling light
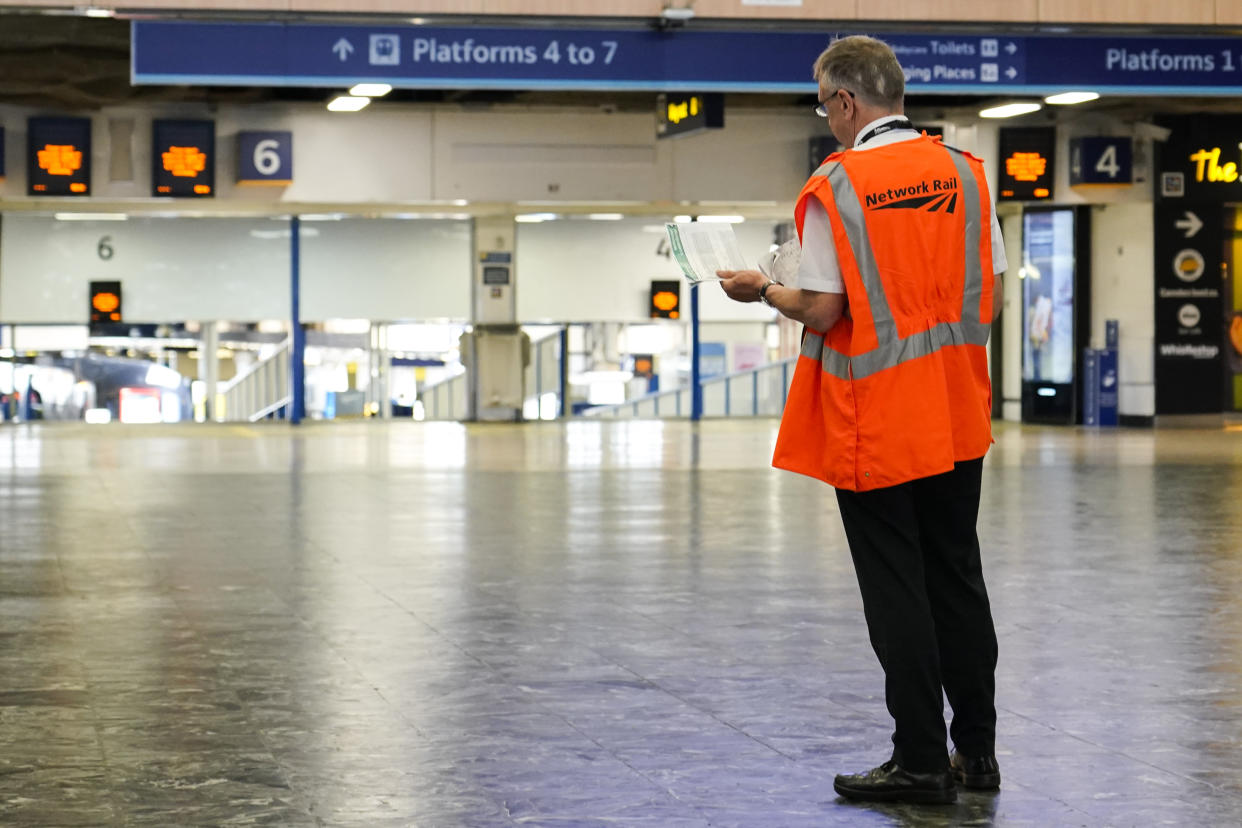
(348,103)
(91,217)
(682,219)
(605,216)
(534,218)
(722,219)
(1009,110)
(370,90)
(92,11)
(1072,98)
(670,13)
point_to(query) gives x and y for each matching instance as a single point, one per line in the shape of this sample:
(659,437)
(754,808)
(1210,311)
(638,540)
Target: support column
(696,377)
(209,368)
(297,355)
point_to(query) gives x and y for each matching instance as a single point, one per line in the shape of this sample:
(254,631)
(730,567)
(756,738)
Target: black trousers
(916,553)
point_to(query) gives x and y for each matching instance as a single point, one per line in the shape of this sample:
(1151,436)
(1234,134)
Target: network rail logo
(937,195)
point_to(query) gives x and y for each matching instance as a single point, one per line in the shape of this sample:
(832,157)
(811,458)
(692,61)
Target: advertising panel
(1048,296)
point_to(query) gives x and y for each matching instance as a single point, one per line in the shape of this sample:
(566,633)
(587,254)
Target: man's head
(859,80)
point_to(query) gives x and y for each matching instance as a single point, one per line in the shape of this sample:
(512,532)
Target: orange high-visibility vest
(898,389)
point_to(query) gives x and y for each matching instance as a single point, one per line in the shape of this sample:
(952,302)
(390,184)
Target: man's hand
(742,285)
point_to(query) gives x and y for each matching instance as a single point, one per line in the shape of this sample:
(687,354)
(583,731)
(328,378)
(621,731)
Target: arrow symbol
(1192,224)
(1011,73)
(342,48)
(1011,47)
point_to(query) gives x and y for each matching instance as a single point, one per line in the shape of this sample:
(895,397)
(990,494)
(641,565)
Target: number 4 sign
(265,158)
(1100,160)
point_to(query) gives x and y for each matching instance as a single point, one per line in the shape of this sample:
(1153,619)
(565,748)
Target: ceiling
(74,63)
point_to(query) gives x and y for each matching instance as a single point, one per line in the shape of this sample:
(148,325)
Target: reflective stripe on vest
(892,350)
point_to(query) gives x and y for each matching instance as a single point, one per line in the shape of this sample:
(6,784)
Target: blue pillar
(297,355)
(696,380)
(565,408)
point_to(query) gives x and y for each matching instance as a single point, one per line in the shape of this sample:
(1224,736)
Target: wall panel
(1128,12)
(602,271)
(1185,12)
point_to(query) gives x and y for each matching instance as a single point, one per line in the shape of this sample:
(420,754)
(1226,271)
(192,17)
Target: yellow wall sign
(1208,167)
(681,113)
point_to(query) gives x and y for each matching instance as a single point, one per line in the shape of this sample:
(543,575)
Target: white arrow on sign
(1011,47)
(1192,224)
(342,48)
(1011,73)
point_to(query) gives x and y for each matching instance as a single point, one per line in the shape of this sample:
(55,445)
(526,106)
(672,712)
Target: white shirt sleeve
(999,262)
(818,269)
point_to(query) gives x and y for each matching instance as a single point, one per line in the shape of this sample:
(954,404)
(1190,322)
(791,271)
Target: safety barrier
(760,392)
(445,400)
(543,379)
(260,393)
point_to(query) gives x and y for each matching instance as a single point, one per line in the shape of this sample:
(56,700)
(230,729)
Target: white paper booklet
(703,248)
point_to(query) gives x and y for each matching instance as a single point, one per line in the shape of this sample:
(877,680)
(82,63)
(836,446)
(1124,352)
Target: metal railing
(543,378)
(261,392)
(446,400)
(760,392)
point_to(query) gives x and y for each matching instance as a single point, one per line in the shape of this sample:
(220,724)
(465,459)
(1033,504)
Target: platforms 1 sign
(689,59)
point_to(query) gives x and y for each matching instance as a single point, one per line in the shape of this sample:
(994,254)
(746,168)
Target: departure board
(183,155)
(1027,171)
(58,157)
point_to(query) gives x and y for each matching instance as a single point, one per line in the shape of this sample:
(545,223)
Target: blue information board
(690,59)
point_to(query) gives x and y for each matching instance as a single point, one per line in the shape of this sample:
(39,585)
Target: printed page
(703,248)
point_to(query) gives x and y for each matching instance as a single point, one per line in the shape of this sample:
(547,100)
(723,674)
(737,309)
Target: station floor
(583,624)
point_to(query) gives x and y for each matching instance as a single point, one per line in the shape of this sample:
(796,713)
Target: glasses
(821,108)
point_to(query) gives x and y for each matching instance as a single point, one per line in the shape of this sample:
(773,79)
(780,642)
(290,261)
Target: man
(891,404)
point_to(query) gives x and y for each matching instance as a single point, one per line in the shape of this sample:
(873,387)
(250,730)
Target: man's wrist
(763,292)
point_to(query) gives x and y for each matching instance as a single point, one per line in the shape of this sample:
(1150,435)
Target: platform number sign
(183,156)
(1101,160)
(265,158)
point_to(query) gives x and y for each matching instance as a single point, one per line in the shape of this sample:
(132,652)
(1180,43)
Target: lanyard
(904,123)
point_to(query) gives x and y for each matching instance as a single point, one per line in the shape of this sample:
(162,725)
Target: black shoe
(979,773)
(891,783)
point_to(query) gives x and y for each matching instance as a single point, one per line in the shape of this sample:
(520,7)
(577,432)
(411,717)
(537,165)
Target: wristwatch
(763,292)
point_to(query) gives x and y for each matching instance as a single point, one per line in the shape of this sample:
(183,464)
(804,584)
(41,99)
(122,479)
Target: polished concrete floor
(586,624)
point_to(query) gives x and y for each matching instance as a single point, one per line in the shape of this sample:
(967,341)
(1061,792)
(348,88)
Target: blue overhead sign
(306,54)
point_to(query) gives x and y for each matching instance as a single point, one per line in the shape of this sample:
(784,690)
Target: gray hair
(865,66)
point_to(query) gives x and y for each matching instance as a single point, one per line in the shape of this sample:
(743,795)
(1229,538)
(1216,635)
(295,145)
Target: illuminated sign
(1200,161)
(58,157)
(265,158)
(183,155)
(1098,160)
(1209,168)
(683,114)
(1027,168)
(665,299)
(105,309)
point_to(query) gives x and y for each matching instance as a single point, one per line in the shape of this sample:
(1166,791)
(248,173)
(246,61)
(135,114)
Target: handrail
(739,394)
(261,392)
(446,399)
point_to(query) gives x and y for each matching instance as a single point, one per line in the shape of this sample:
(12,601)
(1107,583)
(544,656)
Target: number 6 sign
(265,158)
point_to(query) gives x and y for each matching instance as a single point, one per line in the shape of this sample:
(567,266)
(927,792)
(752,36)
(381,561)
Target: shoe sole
(978,782)
(947,797)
